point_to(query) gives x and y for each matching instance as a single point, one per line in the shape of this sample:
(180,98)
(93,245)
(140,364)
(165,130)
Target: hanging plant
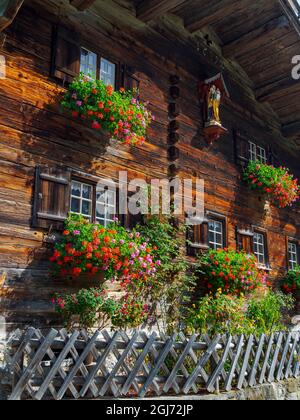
(291,283)
(122,256)
(282,188)
(88,248)
(117,112)
(230,272)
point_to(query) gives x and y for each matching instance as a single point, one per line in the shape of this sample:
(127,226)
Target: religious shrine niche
(213,91)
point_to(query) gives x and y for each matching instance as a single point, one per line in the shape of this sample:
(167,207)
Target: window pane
(86,191)
(215,234)
(76,189)
(86,208)
(110,213)
(100,210)
(252,150)
(261,154)
(259,248)
(218,226)
(293,256)
(75,205)
(88,63)
(108,72)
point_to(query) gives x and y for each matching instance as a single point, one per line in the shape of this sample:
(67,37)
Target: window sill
(198,246)
(265,268)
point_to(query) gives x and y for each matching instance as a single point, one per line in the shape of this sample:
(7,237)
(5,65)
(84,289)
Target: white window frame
(215,244)
(81,199)
(106,206)
(257,153)
(93,71)
(105,75)
(292,255)
(262,154)
(259,248)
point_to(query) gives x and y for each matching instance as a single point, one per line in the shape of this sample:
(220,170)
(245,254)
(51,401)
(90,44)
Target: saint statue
(213,91)
(213,105)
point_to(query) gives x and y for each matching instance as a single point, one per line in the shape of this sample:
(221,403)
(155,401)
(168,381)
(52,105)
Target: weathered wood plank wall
(33,131)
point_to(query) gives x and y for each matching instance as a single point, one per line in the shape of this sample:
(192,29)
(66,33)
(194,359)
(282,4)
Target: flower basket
(275,183)
(118,113)
(114,268)
(230,272)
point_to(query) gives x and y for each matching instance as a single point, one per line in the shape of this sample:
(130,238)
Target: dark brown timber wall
(34,132)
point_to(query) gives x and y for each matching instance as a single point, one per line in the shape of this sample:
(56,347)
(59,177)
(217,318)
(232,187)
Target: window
(257,153)
(88,63)
(245,241)
(108,72)
(292,255)
(81,199)
(260,248)
(216,234)
(98,204)
(89,66)
(197,238)
(106,203)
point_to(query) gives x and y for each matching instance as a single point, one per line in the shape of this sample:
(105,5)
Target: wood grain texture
(34,131)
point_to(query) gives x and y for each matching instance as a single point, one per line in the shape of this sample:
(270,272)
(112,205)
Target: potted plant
(230,272)
(277,183)
(291,284)
(117,112)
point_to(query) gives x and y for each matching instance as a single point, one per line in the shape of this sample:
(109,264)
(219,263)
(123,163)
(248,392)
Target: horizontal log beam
(8,11)
(292,129)
(82,5)
(151,9)
(254,38)
(265,93)
(202,14)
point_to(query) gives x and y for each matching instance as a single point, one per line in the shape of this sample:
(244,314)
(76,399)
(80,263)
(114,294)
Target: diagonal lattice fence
(59,365)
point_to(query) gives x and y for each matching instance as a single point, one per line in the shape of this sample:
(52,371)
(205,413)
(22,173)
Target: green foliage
(117,112)
(278,183)
(87,308)
(266,313)
(219,314)
(291,283)
(222,314)
(122,256)
(174,280)
(230,272)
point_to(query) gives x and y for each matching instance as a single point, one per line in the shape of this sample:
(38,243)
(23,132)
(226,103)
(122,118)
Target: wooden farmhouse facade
(167,49)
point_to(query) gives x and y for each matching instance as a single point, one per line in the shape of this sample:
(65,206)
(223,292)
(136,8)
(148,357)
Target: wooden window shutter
(273,157)
(52,197)
(197,239)
(65,55)
(242,153)
(130,80)
(245,242)
(130,221)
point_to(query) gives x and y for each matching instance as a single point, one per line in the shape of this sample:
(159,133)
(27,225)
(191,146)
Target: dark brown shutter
(130,80)
(245,242)
(273,156)
(65,55)
(130,221)
(52,197)
(197,239)
(241,143)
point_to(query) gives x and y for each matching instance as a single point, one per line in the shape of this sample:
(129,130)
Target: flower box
(117,112)
(277,184)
